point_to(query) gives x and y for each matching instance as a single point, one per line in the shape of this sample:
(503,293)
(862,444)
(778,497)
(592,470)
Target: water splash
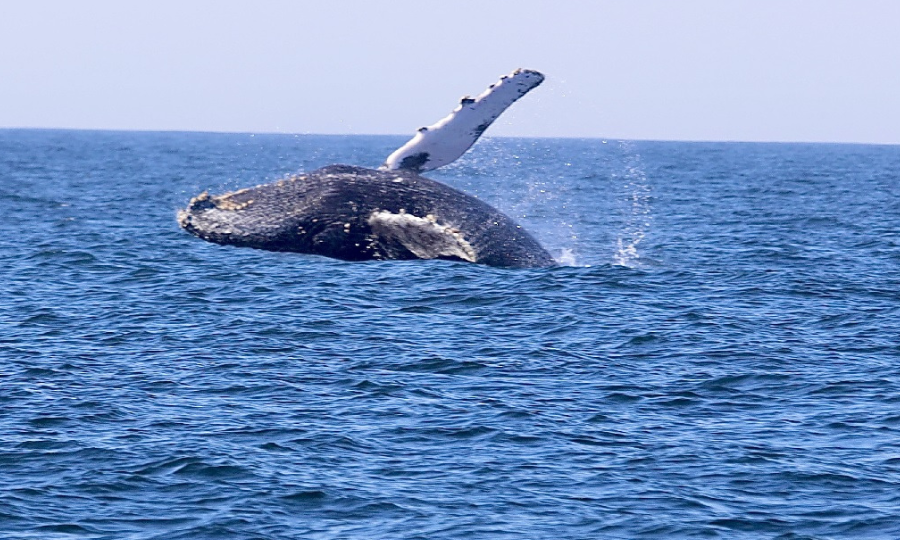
(636,208)
(526,180)
(567,257)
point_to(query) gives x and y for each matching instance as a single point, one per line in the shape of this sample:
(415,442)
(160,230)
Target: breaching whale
(355,213)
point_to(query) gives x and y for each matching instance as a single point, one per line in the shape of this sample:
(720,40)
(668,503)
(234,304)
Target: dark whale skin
(356,214)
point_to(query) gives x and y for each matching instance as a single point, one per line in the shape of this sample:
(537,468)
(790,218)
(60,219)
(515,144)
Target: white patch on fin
(442,143)
(424,237)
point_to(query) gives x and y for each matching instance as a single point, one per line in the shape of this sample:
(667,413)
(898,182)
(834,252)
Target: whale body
(354,213)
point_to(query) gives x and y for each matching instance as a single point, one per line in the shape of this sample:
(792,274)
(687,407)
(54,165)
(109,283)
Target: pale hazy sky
(760,70)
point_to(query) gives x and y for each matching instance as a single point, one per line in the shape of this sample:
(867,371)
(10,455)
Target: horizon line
(570,137)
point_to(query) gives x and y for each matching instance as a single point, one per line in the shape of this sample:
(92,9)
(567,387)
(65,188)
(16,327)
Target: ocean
(716,356)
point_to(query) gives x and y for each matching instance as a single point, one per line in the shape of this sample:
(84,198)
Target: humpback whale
(354,213)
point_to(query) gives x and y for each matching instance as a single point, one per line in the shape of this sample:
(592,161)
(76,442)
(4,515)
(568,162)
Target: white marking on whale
(424,237)
(443,142)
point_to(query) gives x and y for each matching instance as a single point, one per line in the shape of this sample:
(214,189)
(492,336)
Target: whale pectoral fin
(442,143)
(423,237)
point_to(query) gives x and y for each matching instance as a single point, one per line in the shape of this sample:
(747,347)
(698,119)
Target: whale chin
(356,214)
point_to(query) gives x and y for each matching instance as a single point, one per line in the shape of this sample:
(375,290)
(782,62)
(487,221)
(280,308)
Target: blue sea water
(718,356)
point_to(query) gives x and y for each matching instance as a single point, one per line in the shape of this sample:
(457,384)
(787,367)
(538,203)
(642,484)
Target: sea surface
(716,356)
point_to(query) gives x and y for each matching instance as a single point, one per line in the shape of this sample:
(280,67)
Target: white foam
(567,257)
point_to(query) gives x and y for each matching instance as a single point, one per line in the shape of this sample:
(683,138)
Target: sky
(710,70)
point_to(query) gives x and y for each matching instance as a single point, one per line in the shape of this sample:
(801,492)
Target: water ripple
(740,382)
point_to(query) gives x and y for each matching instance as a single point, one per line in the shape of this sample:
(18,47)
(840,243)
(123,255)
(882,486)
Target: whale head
(308,213)
(247,217)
